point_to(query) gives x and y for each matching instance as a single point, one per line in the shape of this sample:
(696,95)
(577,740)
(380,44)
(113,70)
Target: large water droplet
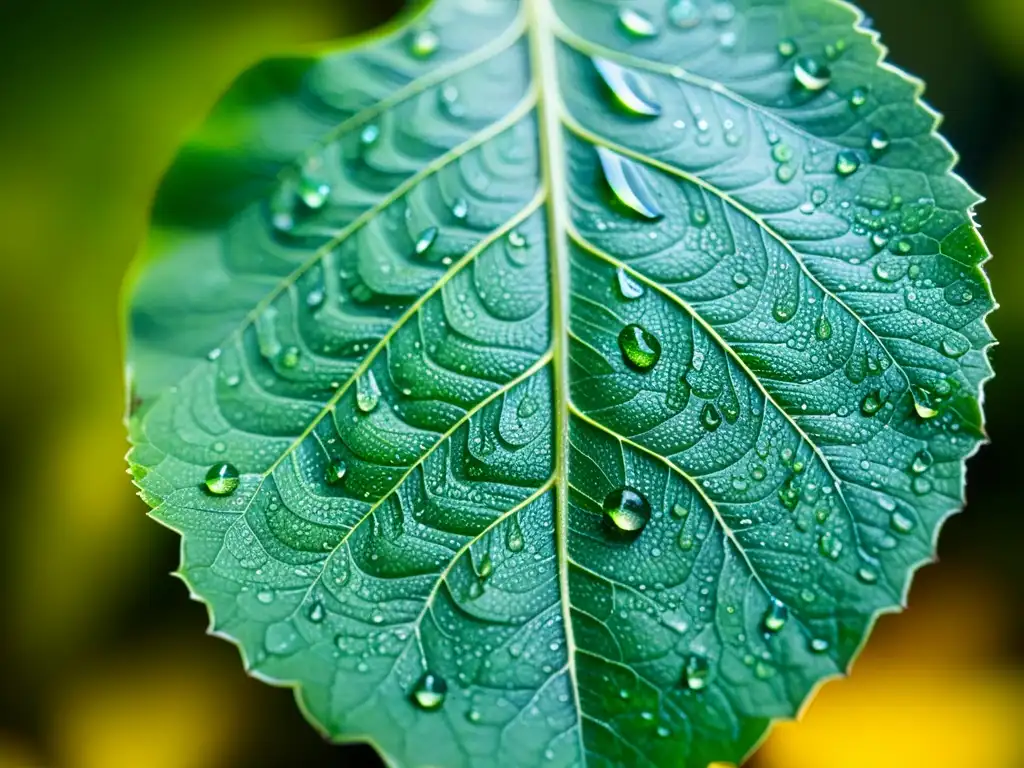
(811,74)
(460,209)
(710,417)
(628,183)
(684,14)
(847,163)
(925,411)
(429,692)
(514,536)
(630,88)
(696,673)
(858,97)
(880,140)
(818,645)
(787,48)
(628,287)
(901,523)
(871,404)
(922,462)
(313,187)
(222,479)
(367,392)
(830,546)
(424,43)
(775,617)
(335,472)
(637,24)
(425,240)
(823,328)
(627,510)
(955,346)
(640,348)
(280,638)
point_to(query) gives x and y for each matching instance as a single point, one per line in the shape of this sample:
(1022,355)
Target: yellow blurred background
(103,658)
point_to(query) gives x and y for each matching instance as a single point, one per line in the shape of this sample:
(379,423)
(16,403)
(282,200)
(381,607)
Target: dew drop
(640,348)
(222,479)
(335,472)
(922,486)
(922,462)
(460,209)
(678,510)
(280,638)
(313,189)
(811,74)
(369,135)
(901,523)
(830,546)
(775,617)
(628,287)
(630,89)
(514,536)
(924,411)
(430,692)
(818,645)
(627,182)
(684,14)
(871,404)
(696,673)
(955,346)
(847,163)
(627,510)
(367,392)
(880,140)
(787,48)
(858,97)
(741,279)
(424,43)
(867,576)
(425,240)
(823,328)
(290,357)
(710,417)
(637,24)
(316,613)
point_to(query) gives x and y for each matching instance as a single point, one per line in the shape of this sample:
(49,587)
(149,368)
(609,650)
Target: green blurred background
(103,658)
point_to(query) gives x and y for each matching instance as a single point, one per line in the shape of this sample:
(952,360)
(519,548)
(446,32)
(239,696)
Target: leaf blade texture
(558,382)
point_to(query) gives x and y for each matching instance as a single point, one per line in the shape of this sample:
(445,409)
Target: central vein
(545,73)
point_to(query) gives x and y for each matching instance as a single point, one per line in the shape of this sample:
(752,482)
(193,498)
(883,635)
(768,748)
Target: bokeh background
(103,658)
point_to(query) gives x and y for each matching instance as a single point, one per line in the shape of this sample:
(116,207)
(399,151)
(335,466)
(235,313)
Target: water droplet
(885,274)
(313,188)
(425,240)
(858,97)
(460,209)
(641,350)
(925,411)
(787,48)
(290,357)
(627,510)
(316,613)
(922,486)
(424,43)
(871,404)
(335,472)
(685,541)
(628,287)
(367,392)
(282,205)
(901,523)
(775,617)
(430,692)
(741,279)
(823,328)
(847,163)
(627,181)
(710,418)
(784,309)
(880,140)
(630,89)
(486,567)
(680,511)
(867,575)
(684,14)
(696,673)
(369,135)
(819,645)
(280,638)
(830,546)
(922,462)
(514,536)
(811,74)
(637,24)
(516,239)
(955,346)
(222,479)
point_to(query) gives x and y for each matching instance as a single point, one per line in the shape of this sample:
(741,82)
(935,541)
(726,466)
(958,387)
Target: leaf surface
(561,381)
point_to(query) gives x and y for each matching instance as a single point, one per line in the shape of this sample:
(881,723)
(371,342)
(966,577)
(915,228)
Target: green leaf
(561,382)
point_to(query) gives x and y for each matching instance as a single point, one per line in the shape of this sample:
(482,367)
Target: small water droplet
(858,97)
(901,523)
(823,328)
(628,287)
(710,417)
(696,673)
(367,392)
(922,486)
(640,348)
(880,140)
(424,43)
(313,188)
(316,613)
(335,472)
(924,411)
(627,510)
(775,617)
(684,14)
(628,183)
(637,24)
(460,209)
(830,546)
(741,279)
(811,74)
(818,645)
(514,536)
(922,462)
(867,575)
(871,404)
(955,346)
(429,692)
(280,638)
(787,48)
(290,357)
(425,240)
(369,135)
(222,479)
(847,163)
(680,511)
